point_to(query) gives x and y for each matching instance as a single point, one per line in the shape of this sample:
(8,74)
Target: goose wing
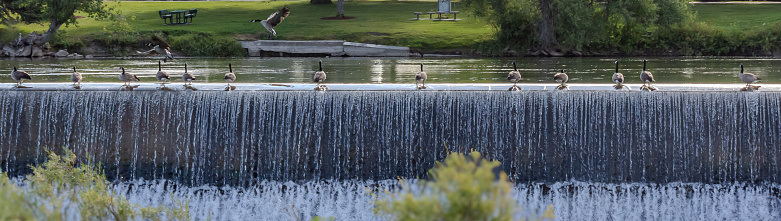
(278,16)
(159,41)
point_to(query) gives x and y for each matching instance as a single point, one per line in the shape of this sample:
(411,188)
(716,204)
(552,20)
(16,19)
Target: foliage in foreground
(464,187)
(61,186)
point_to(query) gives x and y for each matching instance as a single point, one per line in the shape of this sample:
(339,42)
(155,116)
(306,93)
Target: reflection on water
(402,70)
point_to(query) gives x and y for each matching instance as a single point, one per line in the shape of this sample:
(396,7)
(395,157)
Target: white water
(349,200)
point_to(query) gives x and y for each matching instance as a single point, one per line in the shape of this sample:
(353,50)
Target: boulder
(36,52)
(26,51)
(76,55)
(61,53)
(7,51)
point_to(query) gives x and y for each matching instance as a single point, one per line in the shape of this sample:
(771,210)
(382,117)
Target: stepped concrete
(321,48)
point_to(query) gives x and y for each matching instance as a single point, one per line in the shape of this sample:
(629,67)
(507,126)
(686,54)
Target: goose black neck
(320,63)
(185,67)
(123,69)
(515,68)
(616,66)
(74,69)
(159,66)
(644,65)
(562,70)
(741,68)
(14,68)
(421,67)
(230,67)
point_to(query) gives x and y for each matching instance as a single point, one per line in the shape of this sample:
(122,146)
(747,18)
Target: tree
(340,9)
(54,12)
(545,25)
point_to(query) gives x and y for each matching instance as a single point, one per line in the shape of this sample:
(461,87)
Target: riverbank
(219,25)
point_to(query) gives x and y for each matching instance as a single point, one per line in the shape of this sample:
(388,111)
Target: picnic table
(180,16)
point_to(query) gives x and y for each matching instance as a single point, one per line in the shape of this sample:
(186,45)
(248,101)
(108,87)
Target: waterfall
(245,137)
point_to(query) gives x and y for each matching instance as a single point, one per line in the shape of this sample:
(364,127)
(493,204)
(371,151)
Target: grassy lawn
(376,22)
(738,17)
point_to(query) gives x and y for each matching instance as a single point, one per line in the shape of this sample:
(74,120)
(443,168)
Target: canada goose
(273,20)
(646,76)
(76,77)
(187,76)
(19,76)
(514,76)
(162,48)
(319,76)
(162,75)
(561,78)
(618,78)
(127,77)
(420,76)
(748,77)
(230,77)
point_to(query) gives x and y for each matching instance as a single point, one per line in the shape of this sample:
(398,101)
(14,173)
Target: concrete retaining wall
(328,48)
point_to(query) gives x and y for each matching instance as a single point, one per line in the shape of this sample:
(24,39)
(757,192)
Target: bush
(62,41)
(61,183)
(461,188)
(209,45)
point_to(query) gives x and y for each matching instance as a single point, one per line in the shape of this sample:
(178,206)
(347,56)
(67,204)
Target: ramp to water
(241,137)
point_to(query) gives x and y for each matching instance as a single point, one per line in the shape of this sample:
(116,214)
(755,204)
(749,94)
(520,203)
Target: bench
(164,14)
(417,14)
(429,14)
(455,13)
(190,14)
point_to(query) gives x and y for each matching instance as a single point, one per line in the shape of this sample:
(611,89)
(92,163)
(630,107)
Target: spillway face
(241,138)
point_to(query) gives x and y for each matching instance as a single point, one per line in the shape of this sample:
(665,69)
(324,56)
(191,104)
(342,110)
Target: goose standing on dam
(187,77)
(421,77)
(127,77)
(230,77)
(618,78)
(20,76)
(76,77)
(562,79)
(646,77)
(320,77)
(162,75)
(749,79)
(514,76)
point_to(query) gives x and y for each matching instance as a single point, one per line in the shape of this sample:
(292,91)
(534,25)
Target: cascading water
(594,155)
(244,137)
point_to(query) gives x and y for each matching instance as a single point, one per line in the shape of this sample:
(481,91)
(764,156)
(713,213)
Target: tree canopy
(53,12)
(579,24)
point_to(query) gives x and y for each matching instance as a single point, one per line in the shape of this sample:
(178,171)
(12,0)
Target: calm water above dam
(402,70)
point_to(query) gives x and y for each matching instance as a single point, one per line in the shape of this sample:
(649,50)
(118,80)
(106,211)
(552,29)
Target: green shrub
(61,180)
(62,41)
(461,188)
(208,45)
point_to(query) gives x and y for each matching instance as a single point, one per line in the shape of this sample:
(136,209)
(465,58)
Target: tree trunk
(340,9)
(547,36)
(53,28)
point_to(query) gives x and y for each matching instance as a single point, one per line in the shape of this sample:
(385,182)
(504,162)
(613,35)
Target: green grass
(733,18)
(376,22)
